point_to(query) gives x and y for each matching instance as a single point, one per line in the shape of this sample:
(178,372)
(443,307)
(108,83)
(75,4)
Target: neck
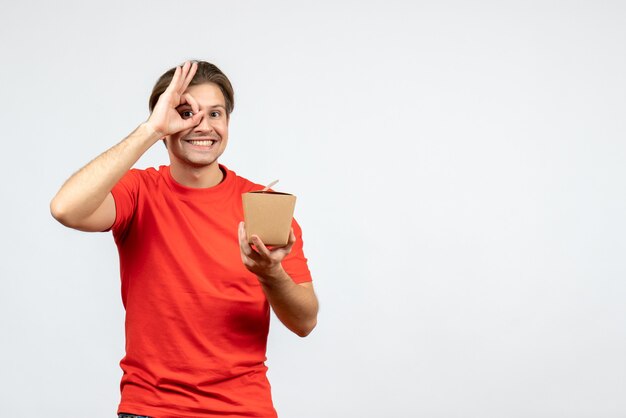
(197,177)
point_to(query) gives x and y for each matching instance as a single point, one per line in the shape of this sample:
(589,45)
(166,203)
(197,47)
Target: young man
(196,294)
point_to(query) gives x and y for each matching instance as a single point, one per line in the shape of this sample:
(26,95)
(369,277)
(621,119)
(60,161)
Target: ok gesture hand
(165,119)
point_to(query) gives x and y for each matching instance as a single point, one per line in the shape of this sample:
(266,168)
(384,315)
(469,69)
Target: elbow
(59,212)
(306,329)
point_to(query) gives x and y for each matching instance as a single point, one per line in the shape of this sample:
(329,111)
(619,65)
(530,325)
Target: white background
(461,181)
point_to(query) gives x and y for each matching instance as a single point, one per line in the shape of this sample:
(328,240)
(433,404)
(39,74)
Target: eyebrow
(210,107)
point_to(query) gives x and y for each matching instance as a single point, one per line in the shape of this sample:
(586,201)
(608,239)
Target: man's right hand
(165,119)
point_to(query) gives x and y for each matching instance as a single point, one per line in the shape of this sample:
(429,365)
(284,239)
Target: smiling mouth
(201,142)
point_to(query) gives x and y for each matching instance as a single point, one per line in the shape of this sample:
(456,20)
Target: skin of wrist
(274,278)
(151,131)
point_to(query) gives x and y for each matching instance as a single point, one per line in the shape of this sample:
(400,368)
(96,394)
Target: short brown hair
(206,73)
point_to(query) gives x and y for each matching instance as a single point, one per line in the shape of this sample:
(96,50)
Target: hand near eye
(165,118)
(260,260)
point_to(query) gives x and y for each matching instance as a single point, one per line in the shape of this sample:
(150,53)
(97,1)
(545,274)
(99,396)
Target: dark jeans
(123,415)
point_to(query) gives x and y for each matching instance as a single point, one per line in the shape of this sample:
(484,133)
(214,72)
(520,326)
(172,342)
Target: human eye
(186,114)
(216,114)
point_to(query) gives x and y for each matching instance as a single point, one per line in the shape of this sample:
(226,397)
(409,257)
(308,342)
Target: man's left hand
(260,260)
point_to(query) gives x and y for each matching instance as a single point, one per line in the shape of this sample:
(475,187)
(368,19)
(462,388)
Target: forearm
(295,305)
(85,191)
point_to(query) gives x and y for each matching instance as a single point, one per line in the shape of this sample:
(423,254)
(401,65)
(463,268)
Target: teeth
(201,143)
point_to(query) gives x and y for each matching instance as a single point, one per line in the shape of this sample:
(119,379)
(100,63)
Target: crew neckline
(200,193)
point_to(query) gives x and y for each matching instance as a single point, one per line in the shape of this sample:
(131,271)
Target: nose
(204,125)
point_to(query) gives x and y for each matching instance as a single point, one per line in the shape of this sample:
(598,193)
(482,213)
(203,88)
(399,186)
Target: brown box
(268,214)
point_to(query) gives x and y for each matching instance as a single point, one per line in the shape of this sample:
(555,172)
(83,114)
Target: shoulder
(148,175)
(242,184)
(135,180)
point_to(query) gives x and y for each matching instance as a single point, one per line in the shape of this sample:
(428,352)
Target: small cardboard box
(268,214)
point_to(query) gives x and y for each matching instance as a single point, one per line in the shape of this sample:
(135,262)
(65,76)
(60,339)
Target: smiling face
(201,146)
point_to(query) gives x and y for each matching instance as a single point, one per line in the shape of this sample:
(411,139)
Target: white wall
(461,182)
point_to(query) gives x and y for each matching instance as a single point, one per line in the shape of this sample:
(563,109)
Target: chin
(200,163)
(204,160)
